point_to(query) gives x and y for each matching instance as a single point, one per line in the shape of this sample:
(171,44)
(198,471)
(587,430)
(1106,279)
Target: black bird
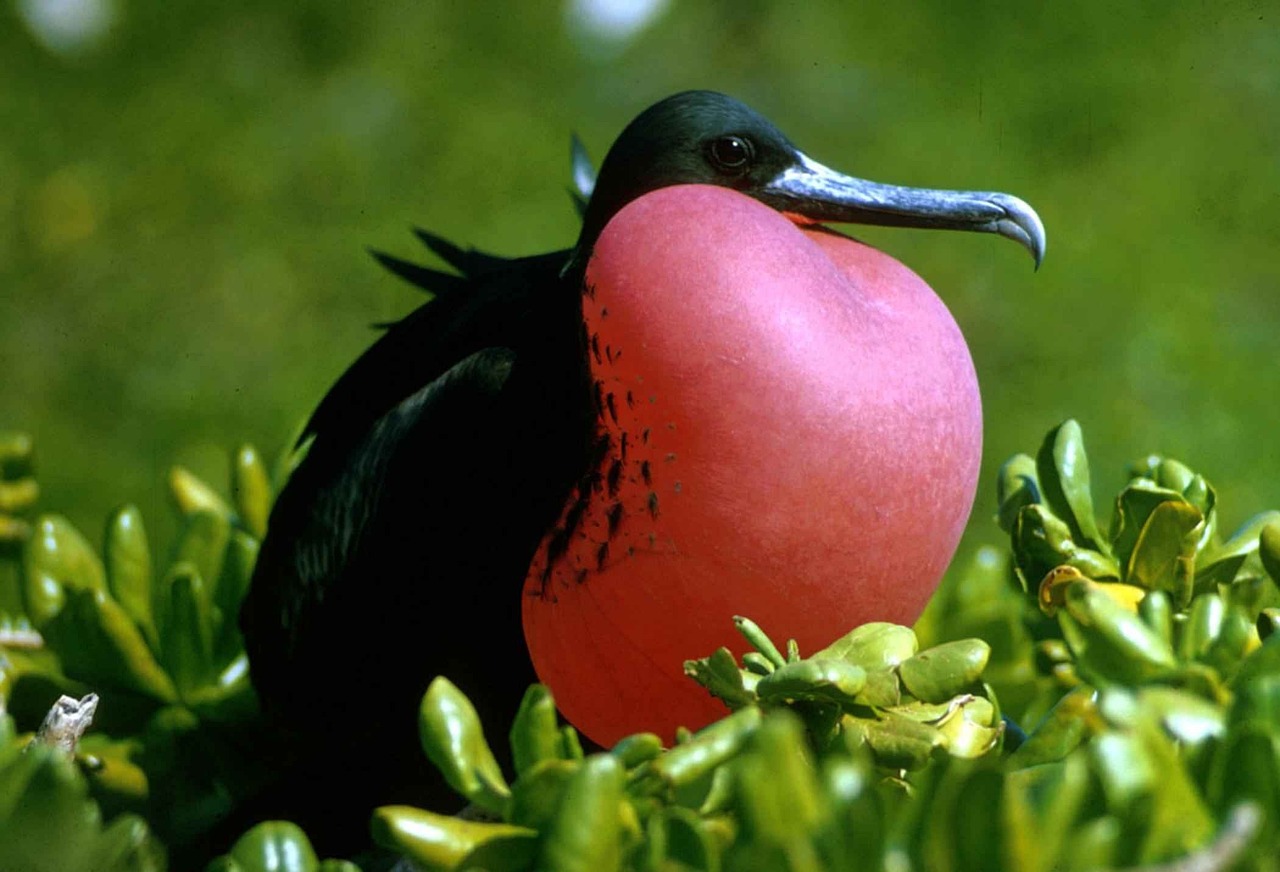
(439,461)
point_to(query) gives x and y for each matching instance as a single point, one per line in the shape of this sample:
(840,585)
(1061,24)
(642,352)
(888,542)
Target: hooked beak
(814,191)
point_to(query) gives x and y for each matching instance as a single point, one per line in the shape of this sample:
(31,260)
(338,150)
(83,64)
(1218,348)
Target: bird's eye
(731,154)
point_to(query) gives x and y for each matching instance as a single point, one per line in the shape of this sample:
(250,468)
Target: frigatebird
(451,452)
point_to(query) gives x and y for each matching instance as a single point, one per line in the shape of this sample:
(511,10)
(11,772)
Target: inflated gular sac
(790,428)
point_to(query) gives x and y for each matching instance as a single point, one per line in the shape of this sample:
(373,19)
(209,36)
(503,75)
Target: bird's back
(394,553)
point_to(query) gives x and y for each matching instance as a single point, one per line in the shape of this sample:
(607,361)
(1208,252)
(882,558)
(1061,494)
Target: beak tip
(1021,224)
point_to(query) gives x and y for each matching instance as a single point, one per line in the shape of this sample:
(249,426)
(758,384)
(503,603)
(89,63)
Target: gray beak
(822,194)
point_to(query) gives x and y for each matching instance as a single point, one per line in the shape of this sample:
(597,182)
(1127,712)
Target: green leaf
(1112,644)
(1260,663)
(1188,718)
(49,822)
(1258,702)
(1269,548)
(814,679)
(17,452)
(882,689)
(251,490)
(1041,806)
(1157,613)
(453,740)
(757,638)
(1247,768)
(535,797)
(1016,486)
(1235,637)
(1203,623)
(899,742)
(191,495)
(1062,469)
(779,798)
(854,835)
(874,646)
(535,733)
(98,643)
(186,643)
(1178,820)
(233,584)
(1164,553)
(1133,506)
(970,728)
(637,748)
(586,833)
(1061,731)
(57,558)
(275,846)
(1222,563)
(720,675)
(203,544)
(128,562)
(1042,542)
(959,837)
(127,845)
(941,672)
(709,748)
(679,839)
(441,842)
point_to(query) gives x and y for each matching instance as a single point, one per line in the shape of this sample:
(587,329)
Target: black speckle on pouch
(573,517)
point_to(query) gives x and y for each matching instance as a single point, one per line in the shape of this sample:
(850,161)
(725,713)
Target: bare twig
(66,722)
(1223,852)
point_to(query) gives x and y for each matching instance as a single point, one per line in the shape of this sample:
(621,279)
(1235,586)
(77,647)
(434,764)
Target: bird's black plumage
(439,460)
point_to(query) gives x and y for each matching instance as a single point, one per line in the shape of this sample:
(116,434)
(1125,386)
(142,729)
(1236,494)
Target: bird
(448,474)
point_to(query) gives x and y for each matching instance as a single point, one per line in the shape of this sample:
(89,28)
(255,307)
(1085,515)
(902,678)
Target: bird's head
(702,137)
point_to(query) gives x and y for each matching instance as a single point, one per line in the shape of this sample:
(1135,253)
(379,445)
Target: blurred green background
(186,190)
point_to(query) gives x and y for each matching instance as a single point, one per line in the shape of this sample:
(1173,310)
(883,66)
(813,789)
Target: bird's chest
(786,427)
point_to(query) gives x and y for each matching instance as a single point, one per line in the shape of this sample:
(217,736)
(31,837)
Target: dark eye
(731,154)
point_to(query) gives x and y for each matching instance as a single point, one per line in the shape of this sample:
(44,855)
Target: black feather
(470,262)
(433,281)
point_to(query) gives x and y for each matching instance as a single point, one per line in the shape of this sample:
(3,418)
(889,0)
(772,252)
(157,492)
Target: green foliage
(276,846)
(19,491)
(1143,651)
(1110,779)
(49,821)
(907,705)
(1162,598)
(161,647)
